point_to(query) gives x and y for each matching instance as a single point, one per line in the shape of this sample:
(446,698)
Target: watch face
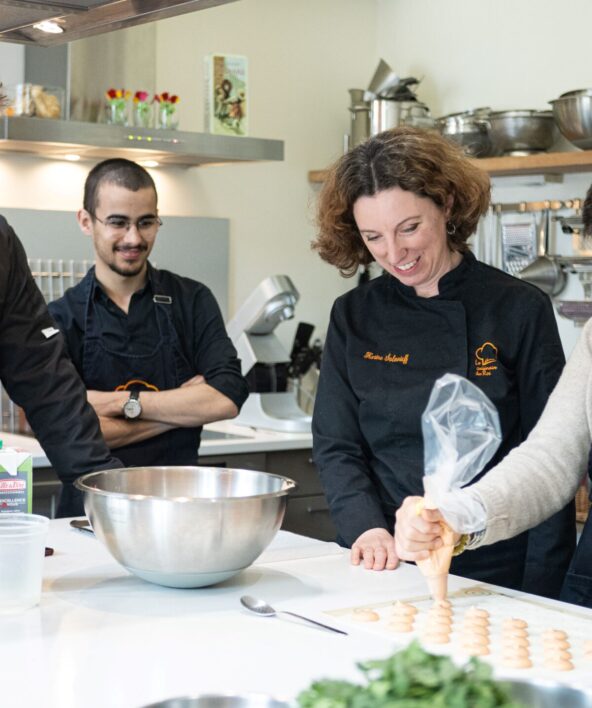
(132,408)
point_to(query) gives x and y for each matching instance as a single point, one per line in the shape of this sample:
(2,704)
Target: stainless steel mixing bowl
(573,114)
(221,701)
(548,694)
(470,129)
(521,132)
(184,527)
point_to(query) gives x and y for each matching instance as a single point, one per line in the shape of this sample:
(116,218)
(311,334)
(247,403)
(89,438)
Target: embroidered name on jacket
(388,358)
(485,359)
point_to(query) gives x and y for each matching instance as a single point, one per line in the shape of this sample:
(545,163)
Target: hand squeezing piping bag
(461,432)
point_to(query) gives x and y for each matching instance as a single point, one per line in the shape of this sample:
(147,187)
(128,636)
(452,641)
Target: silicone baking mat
(539,615)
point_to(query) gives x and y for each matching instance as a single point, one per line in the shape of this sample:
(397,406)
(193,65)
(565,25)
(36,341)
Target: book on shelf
(226,95)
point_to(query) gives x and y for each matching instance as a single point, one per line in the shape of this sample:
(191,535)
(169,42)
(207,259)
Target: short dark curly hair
(119,171)
(416,160)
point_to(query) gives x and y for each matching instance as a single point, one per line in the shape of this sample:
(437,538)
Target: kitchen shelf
(545,162)
(96,141)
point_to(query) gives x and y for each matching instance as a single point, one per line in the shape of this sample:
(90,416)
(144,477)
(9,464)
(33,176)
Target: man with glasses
(150,345)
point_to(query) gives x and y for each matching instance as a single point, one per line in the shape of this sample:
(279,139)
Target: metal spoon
(82,525)
(260,607)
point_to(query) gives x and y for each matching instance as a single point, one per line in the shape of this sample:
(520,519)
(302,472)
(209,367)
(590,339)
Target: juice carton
(16,480)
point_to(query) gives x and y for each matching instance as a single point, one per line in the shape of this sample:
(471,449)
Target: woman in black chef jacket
(409,200)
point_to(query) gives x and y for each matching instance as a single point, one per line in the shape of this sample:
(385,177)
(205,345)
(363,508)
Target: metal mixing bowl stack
(521,132)
(470,129)
(573,114)
(185,526)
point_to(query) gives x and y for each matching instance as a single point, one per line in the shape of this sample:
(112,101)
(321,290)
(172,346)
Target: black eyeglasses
(121,224)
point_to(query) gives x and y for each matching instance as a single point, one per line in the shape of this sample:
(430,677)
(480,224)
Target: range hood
(96,141)
(84,18)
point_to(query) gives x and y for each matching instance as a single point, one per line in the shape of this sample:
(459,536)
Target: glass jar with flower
(167,117)
(142,110)
(117,106)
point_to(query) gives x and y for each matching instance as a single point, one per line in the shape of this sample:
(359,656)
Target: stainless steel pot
(470,129)
(573,114)
(184,526)
(521,132)
(386,114)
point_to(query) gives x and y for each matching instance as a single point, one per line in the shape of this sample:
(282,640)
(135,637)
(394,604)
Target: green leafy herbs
(412,678)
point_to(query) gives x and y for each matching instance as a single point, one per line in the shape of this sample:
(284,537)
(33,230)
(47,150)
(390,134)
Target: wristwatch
(132,408)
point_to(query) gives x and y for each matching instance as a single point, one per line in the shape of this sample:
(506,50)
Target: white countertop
(223,438)
(102,638)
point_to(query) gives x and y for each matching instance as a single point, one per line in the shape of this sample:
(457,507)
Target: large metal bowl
(220,700)
(573,114)
(184,527)
(470,129)
(521,132)
(548,694)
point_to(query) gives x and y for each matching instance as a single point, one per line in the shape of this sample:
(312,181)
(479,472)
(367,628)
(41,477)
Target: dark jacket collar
(448,283)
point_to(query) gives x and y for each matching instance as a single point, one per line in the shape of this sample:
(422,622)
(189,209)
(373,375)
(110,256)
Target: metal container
(184,526)
(470,129)
(386,114)
(521,132)
(221,701)
(573,114)
(548,694)
(360,117)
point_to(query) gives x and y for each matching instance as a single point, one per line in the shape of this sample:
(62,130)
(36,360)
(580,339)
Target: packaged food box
(16,481)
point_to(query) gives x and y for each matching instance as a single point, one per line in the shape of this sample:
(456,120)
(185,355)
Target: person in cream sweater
(534,480)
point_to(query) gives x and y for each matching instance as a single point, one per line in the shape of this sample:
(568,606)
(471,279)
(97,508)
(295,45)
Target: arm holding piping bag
(461,432)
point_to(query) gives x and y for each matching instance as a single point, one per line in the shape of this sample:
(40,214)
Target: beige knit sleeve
(540,476)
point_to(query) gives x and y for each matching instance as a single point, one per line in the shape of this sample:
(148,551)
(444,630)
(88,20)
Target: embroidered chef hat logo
(486,354)
(485,359)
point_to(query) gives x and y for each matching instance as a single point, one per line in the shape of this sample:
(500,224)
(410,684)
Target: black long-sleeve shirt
(197,320)
(39,376)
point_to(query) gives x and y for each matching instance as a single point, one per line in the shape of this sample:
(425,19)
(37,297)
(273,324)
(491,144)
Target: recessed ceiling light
(150,163)
(72,157)
(49,26)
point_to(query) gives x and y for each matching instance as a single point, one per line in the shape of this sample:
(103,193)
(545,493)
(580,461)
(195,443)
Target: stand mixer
(252,333)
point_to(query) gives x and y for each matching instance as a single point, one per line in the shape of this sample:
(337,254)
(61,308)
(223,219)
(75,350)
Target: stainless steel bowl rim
(519,113)
(576,98)
(473,113)
(461,120)
(80,483)
(246,698)
(577,92)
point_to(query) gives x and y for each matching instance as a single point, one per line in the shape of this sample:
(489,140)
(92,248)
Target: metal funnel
(544,272)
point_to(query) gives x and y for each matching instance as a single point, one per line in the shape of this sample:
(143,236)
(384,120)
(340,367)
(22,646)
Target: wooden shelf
(545,162)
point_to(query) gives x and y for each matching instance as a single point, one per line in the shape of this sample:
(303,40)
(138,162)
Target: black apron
(164,367)
(577,587)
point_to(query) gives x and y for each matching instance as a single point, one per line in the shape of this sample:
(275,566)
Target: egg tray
(540,616)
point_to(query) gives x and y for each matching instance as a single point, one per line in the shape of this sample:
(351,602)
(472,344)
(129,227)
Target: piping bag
(461,432)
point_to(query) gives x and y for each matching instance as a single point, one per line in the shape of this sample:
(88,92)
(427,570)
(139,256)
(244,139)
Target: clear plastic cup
(22,550)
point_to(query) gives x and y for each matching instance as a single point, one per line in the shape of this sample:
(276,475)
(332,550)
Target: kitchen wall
(508,54)
(303,56)
(12,63)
